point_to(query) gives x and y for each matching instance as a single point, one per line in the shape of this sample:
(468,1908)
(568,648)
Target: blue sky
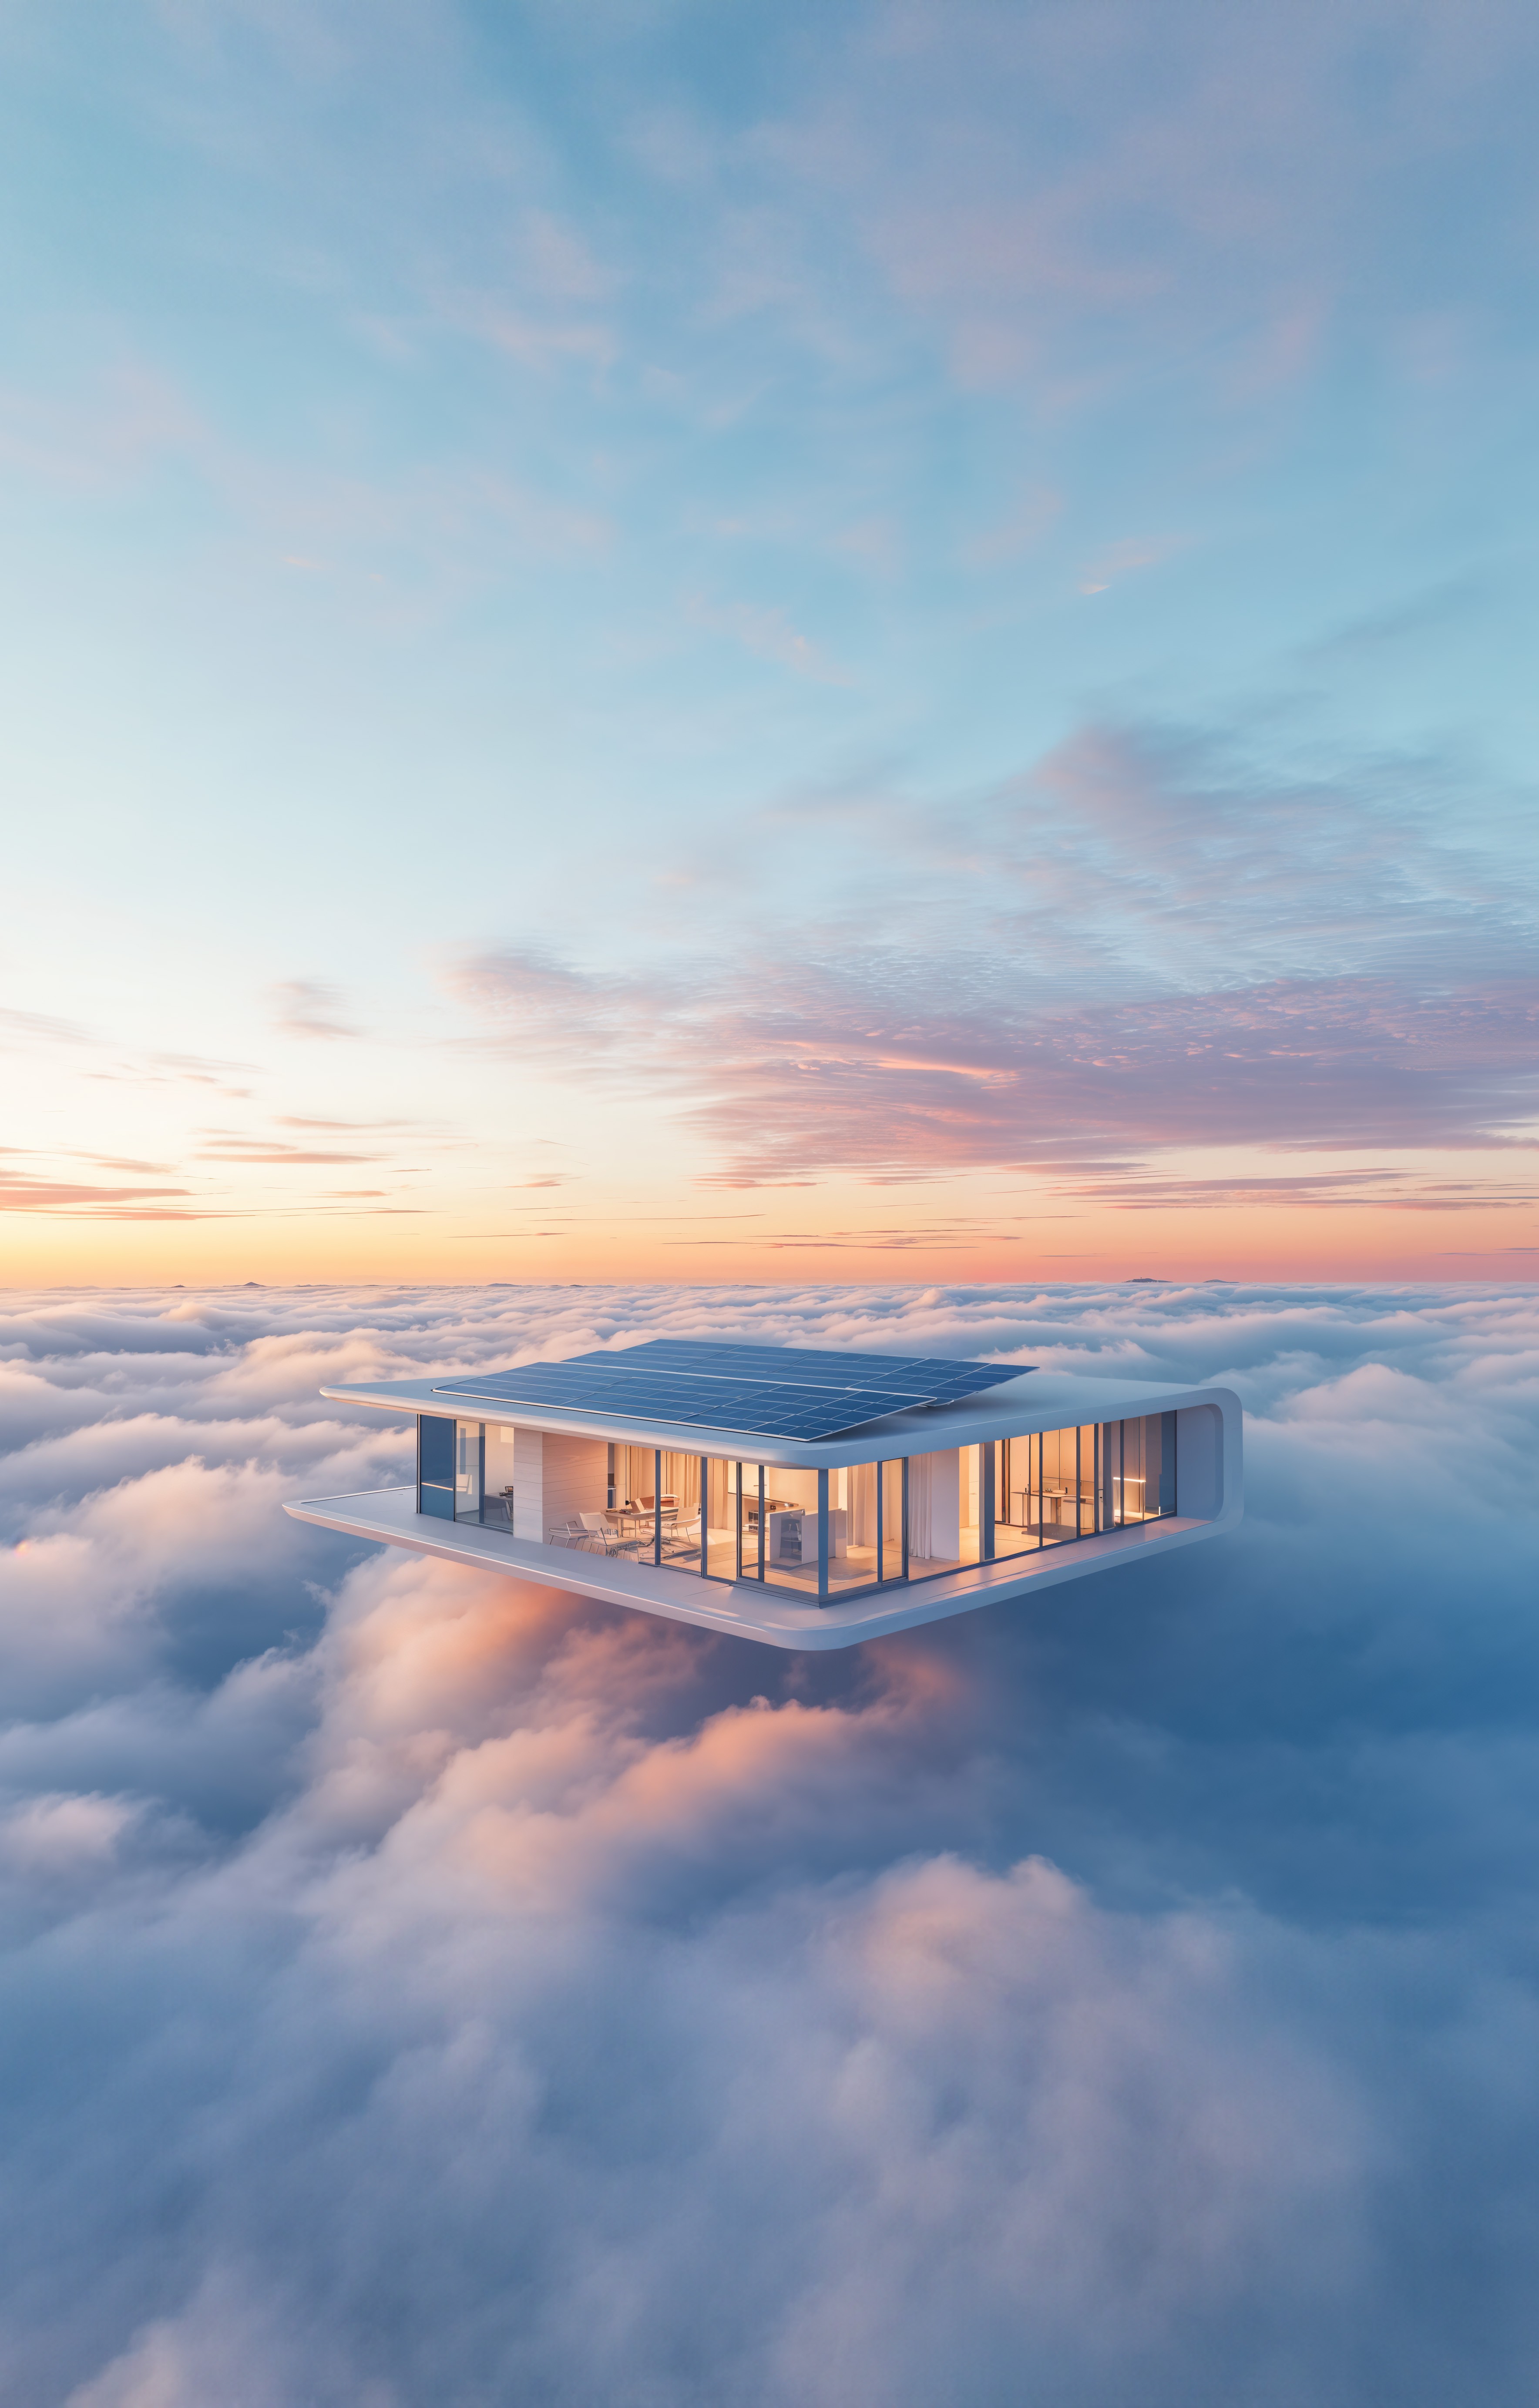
(698,497)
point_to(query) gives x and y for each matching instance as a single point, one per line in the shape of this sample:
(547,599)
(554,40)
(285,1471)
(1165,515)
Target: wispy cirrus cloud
(767,632)
(28,1028)
(1122,558)
(1128,189)
(21,1192)
(908,1066)
(309,1008)
(1144,942)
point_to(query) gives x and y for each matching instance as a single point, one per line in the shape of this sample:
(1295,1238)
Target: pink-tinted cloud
(498,1996)
(1142,942)
(21,1192)
(1065,195)
(819,1067)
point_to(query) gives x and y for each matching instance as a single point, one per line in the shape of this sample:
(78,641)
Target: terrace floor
(779,1615)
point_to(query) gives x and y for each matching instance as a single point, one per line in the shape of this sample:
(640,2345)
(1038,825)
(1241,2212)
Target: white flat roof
(1038,1401)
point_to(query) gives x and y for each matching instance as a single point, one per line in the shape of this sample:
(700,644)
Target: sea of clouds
(421,1991)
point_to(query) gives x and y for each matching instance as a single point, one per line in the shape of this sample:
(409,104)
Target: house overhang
(1040,1400)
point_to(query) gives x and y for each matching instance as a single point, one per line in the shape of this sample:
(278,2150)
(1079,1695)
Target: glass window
(772,1515)
(895,1521)
(972,1483)
(1017,1486)
(680,1512)
(1057,1498)
(853,1509)
(791,1529)
(499,1467)
(1133,1475)
(743,1487)
(469,1462)
(1087,1460)
(652,1505)
(1138,1481)
(763,1525)
(936,1503)
(435,1466)
(719,1520)
(864,1525)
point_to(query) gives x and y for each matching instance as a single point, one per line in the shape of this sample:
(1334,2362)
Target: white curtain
(862,1509)
(682,1479)
(863,1505)
(892,1510)
(635,1472)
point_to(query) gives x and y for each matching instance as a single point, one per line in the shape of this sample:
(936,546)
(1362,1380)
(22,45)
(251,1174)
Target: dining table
(643,1519)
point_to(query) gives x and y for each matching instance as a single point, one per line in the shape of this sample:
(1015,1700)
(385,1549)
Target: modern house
(809,1499)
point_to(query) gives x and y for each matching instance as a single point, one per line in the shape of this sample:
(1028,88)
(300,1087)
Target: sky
(651,641)
(419,1990)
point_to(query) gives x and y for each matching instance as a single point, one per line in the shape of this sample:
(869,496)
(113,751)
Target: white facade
(922,1513)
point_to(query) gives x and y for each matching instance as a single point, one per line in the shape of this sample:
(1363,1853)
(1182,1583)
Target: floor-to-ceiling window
(724,1520)
(745,1498)
(776,1524)
(865,1526)
(1057,1498)
(469,1468)
(769,1527)
(1018,1479)
(938,1494)
(1053,1485)
(653,1503)
(499,1477)
(435,1466)
(1138,1471)
(718,1521)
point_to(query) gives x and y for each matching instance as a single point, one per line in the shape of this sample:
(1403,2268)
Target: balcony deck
(778,1617)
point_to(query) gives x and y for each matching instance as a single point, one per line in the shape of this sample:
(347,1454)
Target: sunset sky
(818,642)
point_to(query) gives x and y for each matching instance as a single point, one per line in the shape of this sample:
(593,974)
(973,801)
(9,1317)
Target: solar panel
(765,1389)
(808,1367)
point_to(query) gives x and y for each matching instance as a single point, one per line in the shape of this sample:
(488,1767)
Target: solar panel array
(773,1391)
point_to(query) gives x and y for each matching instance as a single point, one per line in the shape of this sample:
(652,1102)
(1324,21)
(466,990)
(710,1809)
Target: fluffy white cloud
(418,1989)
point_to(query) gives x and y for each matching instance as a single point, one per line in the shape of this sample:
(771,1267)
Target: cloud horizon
(419,1988)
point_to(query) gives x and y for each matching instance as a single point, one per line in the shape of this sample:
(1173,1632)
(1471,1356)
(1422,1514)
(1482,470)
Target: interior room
(886,1522)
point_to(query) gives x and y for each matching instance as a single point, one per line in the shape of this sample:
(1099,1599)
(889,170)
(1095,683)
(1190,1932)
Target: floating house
(806,1498)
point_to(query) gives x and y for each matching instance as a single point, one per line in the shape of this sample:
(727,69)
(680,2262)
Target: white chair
(599,1527)
(572,1534)
(683,1538)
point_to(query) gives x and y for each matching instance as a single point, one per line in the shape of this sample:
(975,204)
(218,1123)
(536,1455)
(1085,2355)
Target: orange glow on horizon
(863,1243)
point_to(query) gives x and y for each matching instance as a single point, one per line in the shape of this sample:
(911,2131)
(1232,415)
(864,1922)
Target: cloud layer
(422,1990)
